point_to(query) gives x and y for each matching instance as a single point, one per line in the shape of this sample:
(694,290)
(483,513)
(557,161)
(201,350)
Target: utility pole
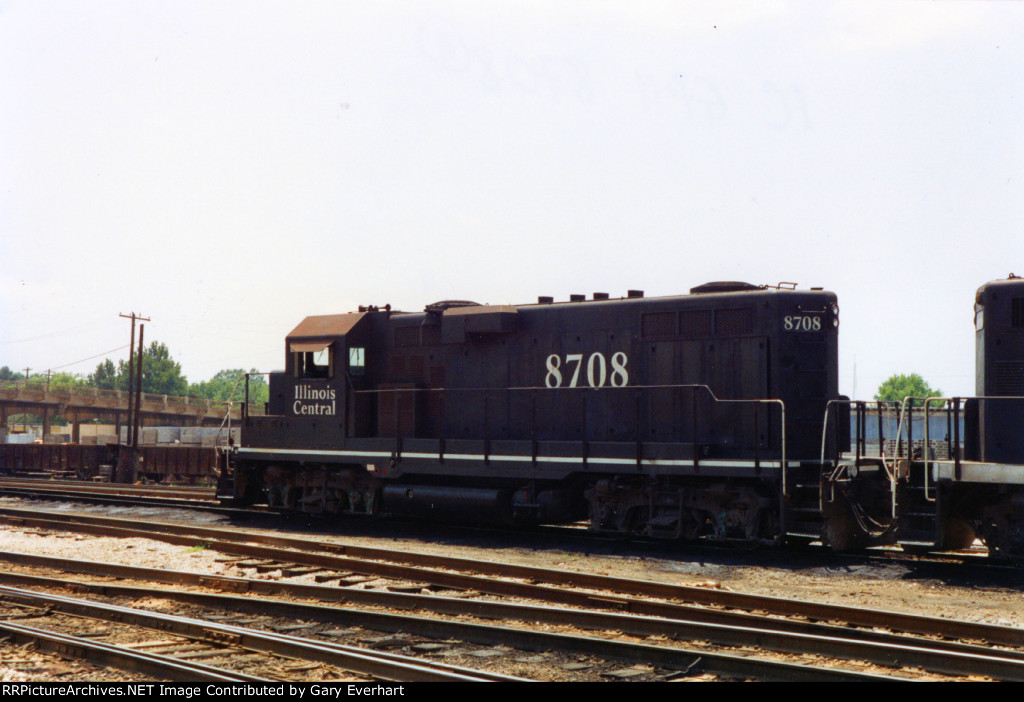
(131,362)
(137,423)
(24,417)
(126,463)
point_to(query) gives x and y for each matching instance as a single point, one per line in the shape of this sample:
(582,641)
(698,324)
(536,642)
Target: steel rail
(733,666)
(360,661)
(130,660)
(621,587)
(111,498)
(111,569)
(663,619)
(178,492)
(131,501)
(882,649)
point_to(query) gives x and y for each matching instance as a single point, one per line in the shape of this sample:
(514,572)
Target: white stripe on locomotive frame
(523,459)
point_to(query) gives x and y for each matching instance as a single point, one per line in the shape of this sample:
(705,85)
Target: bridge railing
(34,391)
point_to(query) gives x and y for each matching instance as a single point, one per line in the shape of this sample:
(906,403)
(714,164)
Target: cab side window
(317,363)
(357,360)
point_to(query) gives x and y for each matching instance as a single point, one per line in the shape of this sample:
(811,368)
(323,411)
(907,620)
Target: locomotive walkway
(81,404)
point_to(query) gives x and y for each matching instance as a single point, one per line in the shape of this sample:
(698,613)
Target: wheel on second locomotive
(957,534)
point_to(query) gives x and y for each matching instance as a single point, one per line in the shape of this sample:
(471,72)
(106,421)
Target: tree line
(161,375)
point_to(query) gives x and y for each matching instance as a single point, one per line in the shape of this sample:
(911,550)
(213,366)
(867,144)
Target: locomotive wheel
(957,534)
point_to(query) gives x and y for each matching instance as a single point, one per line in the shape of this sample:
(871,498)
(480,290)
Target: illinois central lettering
(314,401)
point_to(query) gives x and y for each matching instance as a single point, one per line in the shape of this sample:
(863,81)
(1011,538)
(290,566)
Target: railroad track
(119,494)
(139,662)
(194,638)
(655,609)
(607,657)
(512,580)
(204,499)
(100,489)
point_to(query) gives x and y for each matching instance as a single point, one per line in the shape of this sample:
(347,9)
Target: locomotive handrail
(246,404)
(861,445)
(904,413)
(534,389)
(583,387)
(953,448)
(585,441)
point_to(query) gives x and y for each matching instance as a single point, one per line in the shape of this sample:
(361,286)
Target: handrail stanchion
(956,438)
(440,427)
(949,430)
(861,431)
(583,430)
(952,413)
(636,428)
(881,431)
(757,440)
(533,426)
(487,432)
(910,429)
(926,452)
(693,437)
(398,428)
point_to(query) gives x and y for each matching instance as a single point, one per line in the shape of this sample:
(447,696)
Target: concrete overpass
(77,405)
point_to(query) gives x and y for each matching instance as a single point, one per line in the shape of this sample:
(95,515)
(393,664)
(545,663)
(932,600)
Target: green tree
(64,380)
(105,377)
(161,374)
(7,374)
(900,386)
(229,386)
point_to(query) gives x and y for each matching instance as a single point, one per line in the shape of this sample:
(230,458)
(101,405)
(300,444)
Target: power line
(49,334)
(119,348)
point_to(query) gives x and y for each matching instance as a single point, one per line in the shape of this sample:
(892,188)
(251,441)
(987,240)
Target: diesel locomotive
(713,415)
(682,417)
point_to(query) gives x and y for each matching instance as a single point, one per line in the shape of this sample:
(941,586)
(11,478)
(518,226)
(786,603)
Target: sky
(226,168)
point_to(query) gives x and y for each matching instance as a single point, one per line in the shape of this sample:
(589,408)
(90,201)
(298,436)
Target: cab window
(316,362)
(357,360)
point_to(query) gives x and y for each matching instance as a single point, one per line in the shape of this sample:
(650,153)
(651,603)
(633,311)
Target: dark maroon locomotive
(711,415)
(690,416)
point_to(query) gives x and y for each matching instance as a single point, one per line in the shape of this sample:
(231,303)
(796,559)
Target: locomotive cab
(315,395)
